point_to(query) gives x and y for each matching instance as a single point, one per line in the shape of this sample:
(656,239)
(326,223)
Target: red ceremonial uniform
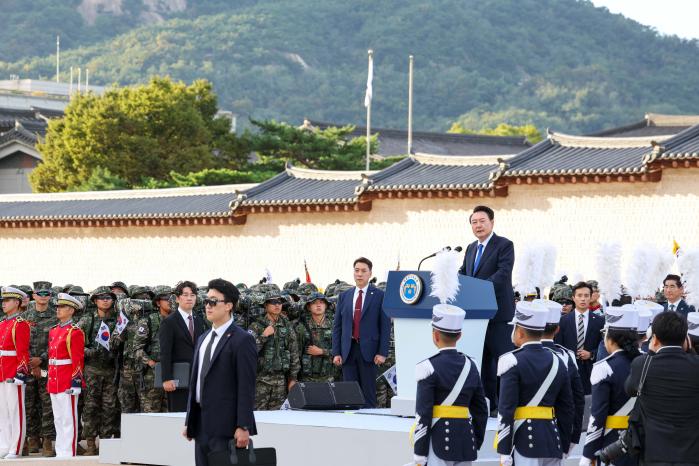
(66,358)
(14,347)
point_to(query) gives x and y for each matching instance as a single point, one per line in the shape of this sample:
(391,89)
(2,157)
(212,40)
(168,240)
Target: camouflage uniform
(101,413)
(129,364)
(38,400)
(308,332)
(277,361)
(384,393)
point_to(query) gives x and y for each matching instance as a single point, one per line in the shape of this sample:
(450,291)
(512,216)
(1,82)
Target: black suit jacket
(668,406)
(176,345)
(682,307)
(228,399)
(496,266)
(568,336)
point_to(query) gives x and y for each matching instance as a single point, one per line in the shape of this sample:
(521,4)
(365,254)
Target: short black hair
(534,334)
(627,340)
(550,328)
(676,278)
(482,208)
(363,260)
(227,289)
(450,338)
(670,328)
(580,285)
(179,288)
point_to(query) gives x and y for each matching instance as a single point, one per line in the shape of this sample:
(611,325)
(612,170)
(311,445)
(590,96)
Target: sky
(671,17)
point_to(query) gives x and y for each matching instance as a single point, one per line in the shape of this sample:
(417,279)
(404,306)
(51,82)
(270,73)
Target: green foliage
(130,132)
(503,129)
(328,149)
(562,63)
(212,177)
(101,179)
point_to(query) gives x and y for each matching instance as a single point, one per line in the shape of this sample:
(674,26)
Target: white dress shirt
(586,319)
(220,331)
(676,304)
(185,316)
(356,293)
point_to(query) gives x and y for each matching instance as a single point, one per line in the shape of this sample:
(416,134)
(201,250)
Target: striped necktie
(581,331)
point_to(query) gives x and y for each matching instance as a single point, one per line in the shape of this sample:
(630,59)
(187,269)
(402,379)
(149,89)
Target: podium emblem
(411,289)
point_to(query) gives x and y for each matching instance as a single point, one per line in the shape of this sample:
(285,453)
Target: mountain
(563,64)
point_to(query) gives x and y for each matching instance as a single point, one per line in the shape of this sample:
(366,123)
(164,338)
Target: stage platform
(308,438)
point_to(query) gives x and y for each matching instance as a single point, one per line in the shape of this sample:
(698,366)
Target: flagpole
(367,101)
(410,105)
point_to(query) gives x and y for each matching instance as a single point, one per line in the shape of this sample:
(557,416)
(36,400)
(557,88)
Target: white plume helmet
(534,268)
(688,263)
(662,268)
(608,265)
(548,266)
(445,276)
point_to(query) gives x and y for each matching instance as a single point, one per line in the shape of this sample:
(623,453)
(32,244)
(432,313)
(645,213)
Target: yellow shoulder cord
(70,353)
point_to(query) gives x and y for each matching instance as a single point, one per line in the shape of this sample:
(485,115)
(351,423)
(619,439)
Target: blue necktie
(478,258)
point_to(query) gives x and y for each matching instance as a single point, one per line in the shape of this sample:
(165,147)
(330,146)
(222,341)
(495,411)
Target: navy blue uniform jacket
(496,266)
(568,357)
(451,439)
(374,325)
(228,399)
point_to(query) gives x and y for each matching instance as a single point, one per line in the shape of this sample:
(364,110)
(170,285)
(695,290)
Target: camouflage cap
(76,290)
(291,295)
(292,285)
(273,295)
(264,287)
(342,287)
(26,288)
(594,284)
(57,289)
(133,307)
(136,290)
(162,290)
(42,286)
(561,293)
(306,289)
(330,289)
(381,286)
(241,286)
(315,296)
(121,285)
(102,290)
(67,287)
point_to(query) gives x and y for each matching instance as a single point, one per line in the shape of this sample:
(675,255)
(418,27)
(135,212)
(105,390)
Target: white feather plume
(527,269)
(688,264)
(608,265)
(548,267)
(662,268)
(445,276)
(641,271)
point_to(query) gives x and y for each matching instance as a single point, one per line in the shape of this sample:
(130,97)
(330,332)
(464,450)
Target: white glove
(419,460)
(585,461)
(15,381)
(74,391)
(506,460)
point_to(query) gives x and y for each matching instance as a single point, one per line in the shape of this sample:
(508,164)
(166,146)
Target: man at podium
(491,257)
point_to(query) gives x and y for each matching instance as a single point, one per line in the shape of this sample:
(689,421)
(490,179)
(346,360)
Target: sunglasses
(103,297)
(275,301)
(213,301)
(43,294)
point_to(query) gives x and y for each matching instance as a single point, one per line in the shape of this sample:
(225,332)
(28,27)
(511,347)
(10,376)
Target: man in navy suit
(581,332)
(222,387)
(361,332)
(491,258)
(673,290)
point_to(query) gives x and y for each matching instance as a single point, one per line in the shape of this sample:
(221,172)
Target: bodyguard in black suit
(673,290)
(580,332)
(222,387)
(177,338)
(491,258)
(668,404)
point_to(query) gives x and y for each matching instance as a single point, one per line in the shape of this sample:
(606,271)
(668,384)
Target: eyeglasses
(43,293)
(104,298)
(213,302)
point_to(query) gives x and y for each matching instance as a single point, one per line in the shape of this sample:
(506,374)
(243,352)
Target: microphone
(458,249)
(447,248)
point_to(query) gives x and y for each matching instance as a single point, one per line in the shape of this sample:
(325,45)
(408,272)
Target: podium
(408,302)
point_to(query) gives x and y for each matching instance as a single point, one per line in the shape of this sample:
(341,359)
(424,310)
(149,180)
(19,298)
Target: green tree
(136,132)
(327,149)
(529,131)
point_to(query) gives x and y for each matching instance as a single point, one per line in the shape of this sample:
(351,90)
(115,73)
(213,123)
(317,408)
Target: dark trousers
(498,341)
(177,400)
(203,445)
(356,369)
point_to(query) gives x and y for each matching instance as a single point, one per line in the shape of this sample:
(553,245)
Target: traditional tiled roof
(683,146)
(18,134)
(653,124)
(393,142)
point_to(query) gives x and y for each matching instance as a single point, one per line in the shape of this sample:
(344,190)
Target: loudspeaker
(326,395)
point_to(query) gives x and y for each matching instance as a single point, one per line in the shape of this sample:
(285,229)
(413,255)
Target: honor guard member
(535,413)
(65,377)
(568,358)
(610,406)
(14,371)
(314,332)
(451,411)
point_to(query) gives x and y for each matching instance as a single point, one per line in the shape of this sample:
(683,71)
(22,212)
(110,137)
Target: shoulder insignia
(423,370)
(506,362)
(251,332)
(600,371)
(141,330)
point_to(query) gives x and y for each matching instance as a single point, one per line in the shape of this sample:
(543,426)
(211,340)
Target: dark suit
(568,337)
(668,406)
(176,345)
(496,264)
(682,307)
(228,396)
(374,332)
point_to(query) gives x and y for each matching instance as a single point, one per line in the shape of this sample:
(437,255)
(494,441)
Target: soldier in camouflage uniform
(41,315)
(278,355)
(384,392)
(314,332)
(119,289)
(101,414)
(129,365)
(562,293)
(147,345)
